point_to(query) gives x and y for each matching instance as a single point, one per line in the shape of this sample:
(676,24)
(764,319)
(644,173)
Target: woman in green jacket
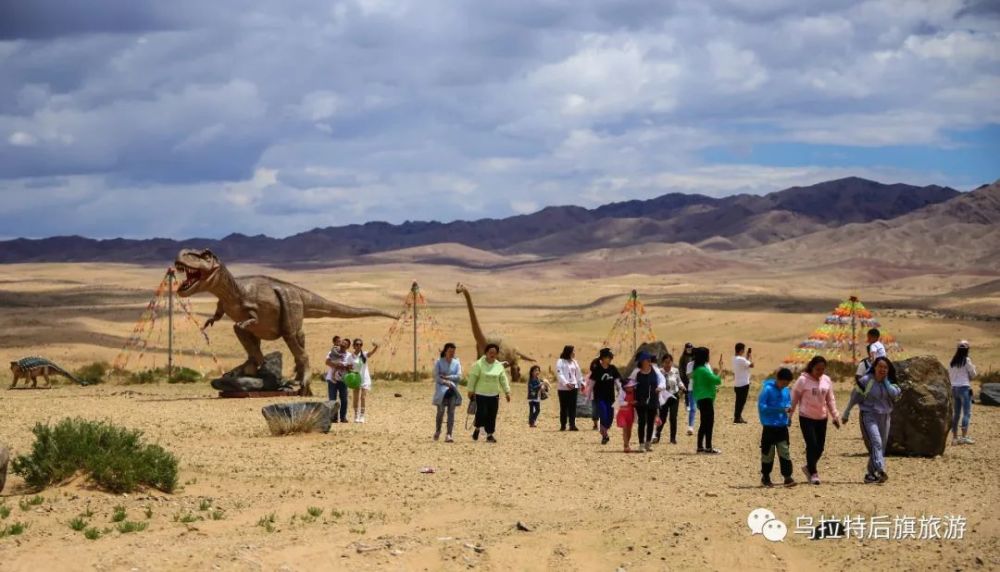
(486,380)
(704,386)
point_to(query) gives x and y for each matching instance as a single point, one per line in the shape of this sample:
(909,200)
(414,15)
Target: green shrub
(92,533)
(78,524)
(185,375)
(119,514)
(115,458)
(129,526)
(13,529)
(93,373)
(142,377)
(4,511)
(218,514)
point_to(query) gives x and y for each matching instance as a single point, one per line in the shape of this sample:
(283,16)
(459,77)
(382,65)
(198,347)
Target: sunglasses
(359,343)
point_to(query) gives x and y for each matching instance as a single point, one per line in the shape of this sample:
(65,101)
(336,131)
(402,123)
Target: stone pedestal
(268,378)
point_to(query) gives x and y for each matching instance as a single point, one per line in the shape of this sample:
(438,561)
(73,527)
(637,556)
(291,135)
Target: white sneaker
(690,430)
(966,441)
(955,442)
(361,419)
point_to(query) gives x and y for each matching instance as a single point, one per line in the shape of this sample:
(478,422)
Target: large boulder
(4,459)
(268,377)
(922,416)
(299,417)
(989,394)
(656,349)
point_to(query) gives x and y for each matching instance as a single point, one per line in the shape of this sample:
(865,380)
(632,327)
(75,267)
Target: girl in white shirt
(570,381)
(961,372)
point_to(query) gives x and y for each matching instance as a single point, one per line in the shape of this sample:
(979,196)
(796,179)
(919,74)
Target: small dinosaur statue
(263,308)
(32,367)
(508,354)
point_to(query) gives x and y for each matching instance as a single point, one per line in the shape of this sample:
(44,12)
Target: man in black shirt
(605,377)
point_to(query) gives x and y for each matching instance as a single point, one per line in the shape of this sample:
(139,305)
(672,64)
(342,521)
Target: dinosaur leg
(34,380)
(251,343)
(296,343)
(45,374)
(13,384)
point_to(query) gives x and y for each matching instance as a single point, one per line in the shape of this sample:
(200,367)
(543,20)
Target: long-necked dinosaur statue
(263,308)
(508,353)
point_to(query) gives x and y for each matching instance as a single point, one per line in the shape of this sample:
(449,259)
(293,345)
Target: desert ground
(588,507)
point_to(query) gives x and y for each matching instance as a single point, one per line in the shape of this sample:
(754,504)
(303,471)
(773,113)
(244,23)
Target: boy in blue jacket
(772,405)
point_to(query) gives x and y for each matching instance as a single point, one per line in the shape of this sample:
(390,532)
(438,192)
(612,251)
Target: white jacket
(672,385)
(569,374)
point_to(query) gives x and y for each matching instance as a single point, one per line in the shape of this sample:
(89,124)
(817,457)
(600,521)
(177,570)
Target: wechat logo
(762,521)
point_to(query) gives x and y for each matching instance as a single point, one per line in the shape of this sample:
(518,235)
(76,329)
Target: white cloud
(22,139)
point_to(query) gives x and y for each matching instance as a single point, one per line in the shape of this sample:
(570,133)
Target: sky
(143,118)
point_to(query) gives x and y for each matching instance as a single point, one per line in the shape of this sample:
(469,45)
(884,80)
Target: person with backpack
(772,407)
(813,396)
(875,395)
(447,374)
(960,372)
(704,386)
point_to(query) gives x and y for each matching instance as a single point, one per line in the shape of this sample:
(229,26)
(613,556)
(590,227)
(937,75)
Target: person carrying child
(772,407)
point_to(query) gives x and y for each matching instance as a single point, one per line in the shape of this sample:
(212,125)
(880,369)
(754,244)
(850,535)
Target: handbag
(543,393)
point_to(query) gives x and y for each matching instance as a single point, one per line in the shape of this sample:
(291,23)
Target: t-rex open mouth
(191,277)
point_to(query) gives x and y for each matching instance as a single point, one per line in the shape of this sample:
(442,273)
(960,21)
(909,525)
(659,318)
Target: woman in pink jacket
(813,396)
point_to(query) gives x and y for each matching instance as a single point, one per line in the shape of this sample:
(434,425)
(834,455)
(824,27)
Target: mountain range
(841,218)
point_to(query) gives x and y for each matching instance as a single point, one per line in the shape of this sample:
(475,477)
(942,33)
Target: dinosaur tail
(66,374)
(318,307)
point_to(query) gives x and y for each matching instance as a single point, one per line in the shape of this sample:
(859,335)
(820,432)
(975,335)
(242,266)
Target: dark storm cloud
(42,19)
(268,116)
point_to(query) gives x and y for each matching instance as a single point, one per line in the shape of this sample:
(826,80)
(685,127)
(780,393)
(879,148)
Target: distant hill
(963,232)
(736,222)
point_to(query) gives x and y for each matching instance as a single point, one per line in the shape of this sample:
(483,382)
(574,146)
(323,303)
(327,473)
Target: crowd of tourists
(648,399)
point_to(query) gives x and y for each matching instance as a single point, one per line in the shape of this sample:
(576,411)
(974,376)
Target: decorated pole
(170,323)
(635,322)
(854,329)
(414,290)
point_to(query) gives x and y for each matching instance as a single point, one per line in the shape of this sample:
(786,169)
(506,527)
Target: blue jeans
(605,411)
(692,407)
(963,407)
(338,391)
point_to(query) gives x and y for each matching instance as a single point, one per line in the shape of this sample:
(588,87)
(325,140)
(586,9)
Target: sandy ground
(589,507)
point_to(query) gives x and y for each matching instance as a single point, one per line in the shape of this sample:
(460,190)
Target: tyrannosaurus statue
(263,308)
(508,354)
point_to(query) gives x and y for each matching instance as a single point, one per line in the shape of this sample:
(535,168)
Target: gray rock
(583,406)
(4,459)
(921,417)
(989,394)
(656,349)
(268,377)
(299,417)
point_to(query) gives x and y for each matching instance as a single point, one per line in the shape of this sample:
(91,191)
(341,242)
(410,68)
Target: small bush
(186,518)
(185,375)
(115,458)
(78,524)
(92,533)
(205,504)
(129,526)
(87,513)
(26,504)
(142,377)
(217,514)
(119,514)
(13,529)
(267,522)
(93,373)
(4,511)
(314,511)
